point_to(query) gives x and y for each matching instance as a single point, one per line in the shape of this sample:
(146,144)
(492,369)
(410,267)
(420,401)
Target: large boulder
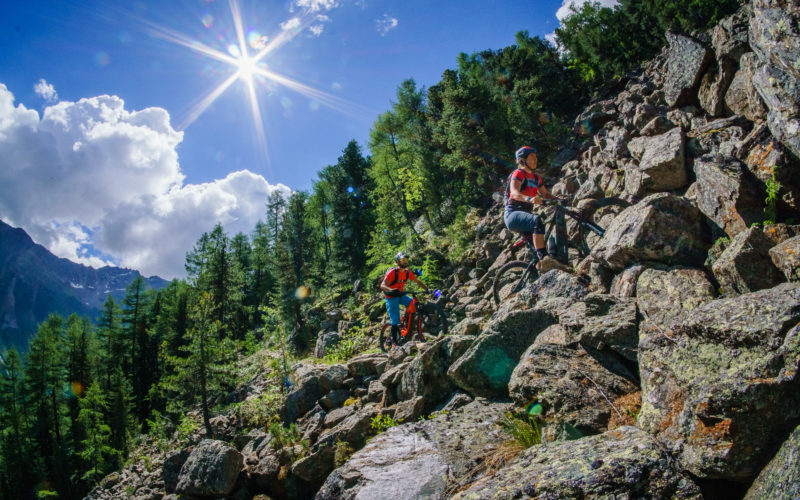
(781,477)
(714,86)
(661,164)
(722,390)
(485,368)
(725,194)
(211,470)
(775,38)
(665,296)
(745,266)
(307,389)
(687,60)
(742,97)
(603,321)
(574,384)
(622,463)
(325,341)
(662,228)
(786,257)
(422,459)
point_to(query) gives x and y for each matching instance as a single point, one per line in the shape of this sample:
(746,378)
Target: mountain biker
(524,190)
(394,281)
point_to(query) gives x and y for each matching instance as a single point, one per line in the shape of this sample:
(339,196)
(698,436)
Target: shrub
(354,341)
(524,429)
(381,423)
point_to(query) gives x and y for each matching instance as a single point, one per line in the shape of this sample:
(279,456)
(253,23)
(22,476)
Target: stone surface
(726,195)
(687,60)
(325,341)
(573,384)
(623,463)
(485,368)
(723,388)
(775,38)
(781,477)
(662,164)
(662,227)
(426,375)
(603,321)
(624,283)
(742,97)
(419,460)
(746,266)
(714,86)
(665,296)
(211,470)
(786,257)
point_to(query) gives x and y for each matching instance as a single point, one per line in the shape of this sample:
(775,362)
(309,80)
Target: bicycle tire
(434,320)
(504,278)
(384,337)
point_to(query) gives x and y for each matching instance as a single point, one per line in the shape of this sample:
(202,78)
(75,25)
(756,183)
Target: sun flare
(251,70)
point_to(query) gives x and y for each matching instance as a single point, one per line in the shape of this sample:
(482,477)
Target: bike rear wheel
(511,278)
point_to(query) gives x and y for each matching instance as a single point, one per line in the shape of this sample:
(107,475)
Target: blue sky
(106,155)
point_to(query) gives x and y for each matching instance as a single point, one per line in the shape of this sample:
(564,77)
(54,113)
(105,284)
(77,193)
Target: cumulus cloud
(45,90)
(316,5)
(565,9)
(386,24)
(92,181)
(290,24)
(316,30)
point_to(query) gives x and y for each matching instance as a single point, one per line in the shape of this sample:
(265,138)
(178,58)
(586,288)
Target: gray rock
(714,86)
(729,37)
(171,469)
(573,384)
(745,266)
(325,341)
(365,364)
(467,326)
(211,470)
(559,284)
(726,195)
(775,38)
(307,390)
(781,477)
(430,456)
(603,321)
(485,368)
(778,233)
(786,257)
(334,399)
(662,227)
(622,463)
(333,377)
(687,60)
(624,284)
(334,417)
(722,389)
(409,410)
(596,115)
(665,296)
(742,97)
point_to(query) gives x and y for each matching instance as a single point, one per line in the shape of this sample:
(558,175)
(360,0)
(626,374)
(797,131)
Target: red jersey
(396,278)
(530,187)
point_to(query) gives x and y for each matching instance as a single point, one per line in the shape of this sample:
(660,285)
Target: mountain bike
(514,275)
(420,318)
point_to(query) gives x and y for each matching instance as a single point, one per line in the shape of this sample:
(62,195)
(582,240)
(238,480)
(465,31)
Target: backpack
(537,182)
(396,276)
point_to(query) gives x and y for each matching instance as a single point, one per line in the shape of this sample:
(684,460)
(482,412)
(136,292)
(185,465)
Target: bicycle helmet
(401,259)
(523,152)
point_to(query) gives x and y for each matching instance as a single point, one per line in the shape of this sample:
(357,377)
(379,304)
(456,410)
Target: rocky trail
(666,364)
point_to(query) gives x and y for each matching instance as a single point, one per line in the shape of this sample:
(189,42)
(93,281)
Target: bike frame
(407,322)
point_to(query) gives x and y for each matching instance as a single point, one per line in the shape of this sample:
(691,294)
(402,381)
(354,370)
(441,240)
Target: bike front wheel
(511,279)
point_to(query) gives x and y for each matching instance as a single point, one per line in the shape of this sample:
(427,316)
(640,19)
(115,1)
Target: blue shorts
(393,307)
(521,221)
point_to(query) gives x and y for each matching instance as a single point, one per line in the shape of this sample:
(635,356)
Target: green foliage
(186,428)
(260,411)
(524,429)
(288,438)
(380,423)
(344,451)
(461,234)
(354,341)
(770,208)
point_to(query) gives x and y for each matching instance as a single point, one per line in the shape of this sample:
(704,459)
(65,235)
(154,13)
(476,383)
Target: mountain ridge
(35,283)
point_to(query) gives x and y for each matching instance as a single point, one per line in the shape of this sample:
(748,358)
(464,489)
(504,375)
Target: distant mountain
(35,283)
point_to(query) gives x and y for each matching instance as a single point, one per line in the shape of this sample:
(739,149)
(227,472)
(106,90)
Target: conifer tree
(97,452)
(15,446)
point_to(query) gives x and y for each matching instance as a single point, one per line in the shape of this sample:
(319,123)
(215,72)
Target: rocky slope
(35,283)
(666,364)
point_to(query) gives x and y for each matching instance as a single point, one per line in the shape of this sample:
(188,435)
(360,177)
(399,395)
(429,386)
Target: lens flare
(302,292)
(208,20)
(76,388)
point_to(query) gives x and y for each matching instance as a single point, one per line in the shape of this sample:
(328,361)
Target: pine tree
(97,452)
(15,447)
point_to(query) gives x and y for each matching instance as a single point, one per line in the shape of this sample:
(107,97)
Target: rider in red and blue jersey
(394,281)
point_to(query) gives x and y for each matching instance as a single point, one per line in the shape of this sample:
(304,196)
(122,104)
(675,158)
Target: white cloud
(92,175)
(564,11)
(386,24)
(316,30)
(316,5)
(290,24)
(45,90)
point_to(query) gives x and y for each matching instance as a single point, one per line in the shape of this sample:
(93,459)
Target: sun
(251,70)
